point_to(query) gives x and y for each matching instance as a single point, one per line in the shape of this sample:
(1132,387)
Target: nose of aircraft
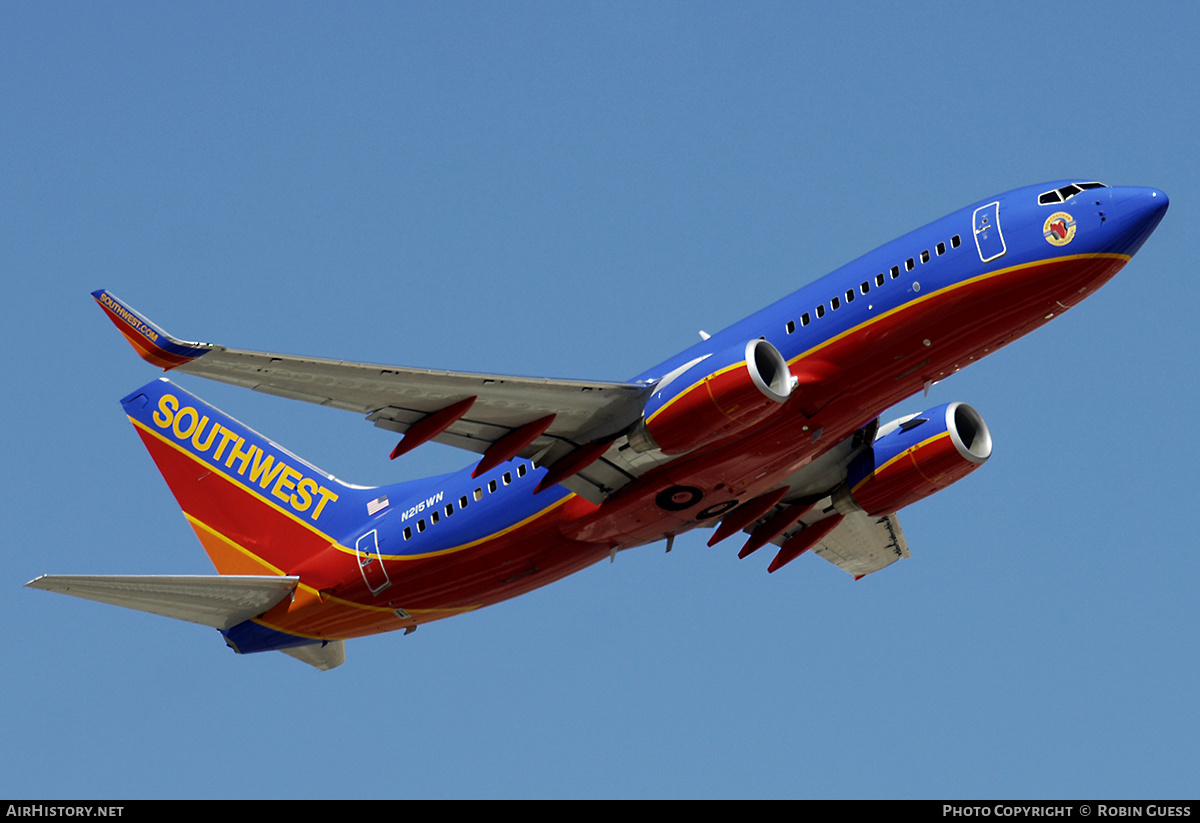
(1137,211)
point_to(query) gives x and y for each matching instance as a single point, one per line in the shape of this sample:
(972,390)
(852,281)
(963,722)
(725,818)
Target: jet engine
(714,397)
(915,456)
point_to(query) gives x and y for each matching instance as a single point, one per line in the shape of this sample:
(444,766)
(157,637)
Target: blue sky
(574,190)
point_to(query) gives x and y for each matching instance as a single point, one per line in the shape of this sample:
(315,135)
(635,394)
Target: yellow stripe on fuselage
(328,598)
(961,284)
(705,380)
(484,539)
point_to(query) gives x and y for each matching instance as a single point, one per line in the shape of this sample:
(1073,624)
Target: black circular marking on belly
(678,498)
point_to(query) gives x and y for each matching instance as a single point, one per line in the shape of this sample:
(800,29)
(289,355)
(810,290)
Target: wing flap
(858,544)
(862,544)
(221,601)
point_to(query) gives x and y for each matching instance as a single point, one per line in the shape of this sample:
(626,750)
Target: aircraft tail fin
(257,508)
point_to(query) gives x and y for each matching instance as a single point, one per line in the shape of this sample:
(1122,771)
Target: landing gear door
(988,238)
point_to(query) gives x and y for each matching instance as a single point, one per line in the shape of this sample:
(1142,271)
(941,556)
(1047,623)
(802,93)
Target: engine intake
(915,456)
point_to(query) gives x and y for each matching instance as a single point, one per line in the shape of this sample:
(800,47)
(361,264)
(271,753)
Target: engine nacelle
(713,398)
(915,456)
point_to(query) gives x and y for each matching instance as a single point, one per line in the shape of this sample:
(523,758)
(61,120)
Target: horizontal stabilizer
(324,656)
(221,601)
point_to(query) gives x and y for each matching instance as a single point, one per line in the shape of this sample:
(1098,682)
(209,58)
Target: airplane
(769,428)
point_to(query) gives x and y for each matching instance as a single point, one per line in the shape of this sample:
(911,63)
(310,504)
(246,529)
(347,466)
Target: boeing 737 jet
(769,430)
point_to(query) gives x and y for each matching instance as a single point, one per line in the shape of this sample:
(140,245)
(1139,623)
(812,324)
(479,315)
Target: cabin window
(925,256)
(407,532)
(954,241)
(421,525)
(433,519)
(835,303)
(507,478)
(849,295)
(491,485)
(449,509)
(521,470)
(865,287)
(479,494)
(820,311)
(804,319)
(879,280)
(791,326)
(909,264)
(462,502)
(895,272)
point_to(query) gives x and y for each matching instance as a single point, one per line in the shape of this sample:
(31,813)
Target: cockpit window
(1066,193)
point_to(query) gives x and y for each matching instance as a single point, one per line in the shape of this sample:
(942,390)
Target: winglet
(151,343)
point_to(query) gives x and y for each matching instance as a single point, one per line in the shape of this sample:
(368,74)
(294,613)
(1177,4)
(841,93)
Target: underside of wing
(495,415)
(862,544)
(396,398)
(835,528)
(854,541)
(814,511)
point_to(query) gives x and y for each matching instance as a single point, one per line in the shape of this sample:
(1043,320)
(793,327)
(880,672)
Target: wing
(862,544)
(498,416)
(815,511)
(833,529)
(845,535)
